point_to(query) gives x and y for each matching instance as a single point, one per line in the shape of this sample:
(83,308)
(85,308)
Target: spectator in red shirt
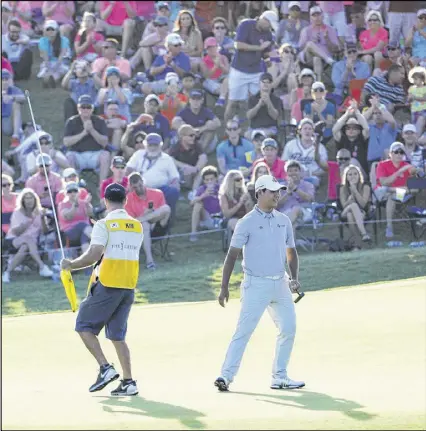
(392,175)
(270,157)
(118,167)
(88,42)
(69,175)
(150,208)
(5,64)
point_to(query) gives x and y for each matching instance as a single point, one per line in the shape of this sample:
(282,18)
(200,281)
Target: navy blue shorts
(105,306)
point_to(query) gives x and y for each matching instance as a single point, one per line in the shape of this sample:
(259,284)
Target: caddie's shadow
(308,400)
(141,406)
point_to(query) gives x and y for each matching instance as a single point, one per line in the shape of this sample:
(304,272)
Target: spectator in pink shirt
(110,58)
(88,42)
(73,217)
(38,182)
(62,12)
(117,18)
(70,176)
(373,40)
(26,224)
(5,64)
(335,16)
(318,41)
(118,168)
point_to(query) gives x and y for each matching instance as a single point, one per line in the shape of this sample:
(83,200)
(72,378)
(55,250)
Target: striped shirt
(387,92)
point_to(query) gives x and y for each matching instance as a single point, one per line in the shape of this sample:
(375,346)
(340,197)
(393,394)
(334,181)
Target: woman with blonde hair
(187,28)
(234,199)
(87,43)
(260,169)
(26,224)
(355,199)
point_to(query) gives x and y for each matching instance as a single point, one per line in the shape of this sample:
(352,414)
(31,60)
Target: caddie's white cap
(268,182)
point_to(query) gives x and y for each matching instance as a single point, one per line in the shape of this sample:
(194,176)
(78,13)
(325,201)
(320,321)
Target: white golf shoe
(286,383)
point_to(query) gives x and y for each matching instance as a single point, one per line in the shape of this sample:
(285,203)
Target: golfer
(266,238)
(114,247)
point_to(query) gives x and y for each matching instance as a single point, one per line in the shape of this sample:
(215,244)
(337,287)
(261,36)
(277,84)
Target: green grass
(196,276)
(361,351)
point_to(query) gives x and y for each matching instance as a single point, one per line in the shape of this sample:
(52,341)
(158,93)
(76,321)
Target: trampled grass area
(195,275)
(360,350)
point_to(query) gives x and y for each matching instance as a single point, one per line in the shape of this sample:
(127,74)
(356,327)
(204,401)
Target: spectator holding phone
(206,202)
(147,205)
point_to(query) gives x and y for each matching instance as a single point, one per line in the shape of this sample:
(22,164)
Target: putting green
(361,351)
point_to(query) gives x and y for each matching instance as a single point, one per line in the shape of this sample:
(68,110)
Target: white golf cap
(318,84)
(294,3)
(409,128)
(173,39)
(420,12)
(172,76)
(272,17)
(152,97)
(315,9)
(69,172)
(51,23)
(268,182)
(397,146)
(306,72)
(256,132)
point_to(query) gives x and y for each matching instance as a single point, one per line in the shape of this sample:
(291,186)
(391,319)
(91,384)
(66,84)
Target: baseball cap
(397,146)
(196,94)
(307,72)
(69,172)
(161,20)
(51,23)
(256,133)
(306,121)
(112,101)
(210,41)
(173,39)
(269,142)
(409,128)
(5,74)
(266,75)
(112,70)
(152,97)
(351,45)
(162,4)
(115,193)
(268,182)
(118,161)
(47,160)
(153,139)
(45,136)
(71,186)
(318,84)
(315,9)
(352,122)
(85,99)
(293,4)
(111,41)
(419,12)
(172,76)
(272,17)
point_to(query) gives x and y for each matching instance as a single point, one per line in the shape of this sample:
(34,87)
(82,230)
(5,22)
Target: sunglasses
(232,129)
(191,135)
(287,51)
(398,152)
(237,180)
(139,141)
(50,29)
(6,185)
(343,159)
(161,25)
(109,46)
(86,106)
(352,127)
(318,90)
(44,142)
(423,17)
(14,32)
(374,20)
(120,167)
(392,48)
(220,27)
(72,191)
(352,51)
(177,45)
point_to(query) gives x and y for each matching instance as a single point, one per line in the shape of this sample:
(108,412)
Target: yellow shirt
(417,106)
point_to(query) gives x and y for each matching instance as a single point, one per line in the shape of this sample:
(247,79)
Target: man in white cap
(265,236)
(413,151)
(290,28)
(253,42)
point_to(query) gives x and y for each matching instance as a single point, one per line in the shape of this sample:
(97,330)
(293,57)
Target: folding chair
(160,237)
(417,214)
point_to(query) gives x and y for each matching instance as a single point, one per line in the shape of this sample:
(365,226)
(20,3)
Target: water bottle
(394,244)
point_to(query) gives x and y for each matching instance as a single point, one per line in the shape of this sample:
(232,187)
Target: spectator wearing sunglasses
(394,54)
(290,28)
(231,153)
(351,132)
(348,69)
(152,44)
(53,49)
(173,61)
(373,40)
(88,42)
(118,169)
(344,159)
(220,33)
(16,45)
(416,39)
(413,151)
(163,10)
(392,174)
(130,144)
(116,123)
(70,175)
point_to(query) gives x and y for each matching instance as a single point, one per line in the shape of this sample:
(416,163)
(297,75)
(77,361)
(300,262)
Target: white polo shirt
(294,150)
(156,173)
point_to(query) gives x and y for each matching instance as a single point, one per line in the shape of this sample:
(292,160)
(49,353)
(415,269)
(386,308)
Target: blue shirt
(6,108)
(44,44)
(123,108)
(362,71)
(380,139)
(288,33)
(250,61)
(161,126)
(330,109)
(196,120)
(264,238)
(181,60)
(78,89)
(234,155)
(419,44)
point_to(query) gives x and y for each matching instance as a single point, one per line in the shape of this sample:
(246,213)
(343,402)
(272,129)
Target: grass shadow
(141,406)
(317,401)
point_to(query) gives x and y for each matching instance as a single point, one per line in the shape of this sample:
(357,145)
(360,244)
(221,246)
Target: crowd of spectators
(220,82)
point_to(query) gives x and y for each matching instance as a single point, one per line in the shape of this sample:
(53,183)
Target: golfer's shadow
(137,405)
(308,400)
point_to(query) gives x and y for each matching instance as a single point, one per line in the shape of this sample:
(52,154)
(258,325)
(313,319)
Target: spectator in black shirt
(265,109)
(86,136)
(351,132)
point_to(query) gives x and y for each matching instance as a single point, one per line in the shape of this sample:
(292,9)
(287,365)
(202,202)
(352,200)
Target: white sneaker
(46,271)
(6,277)
(286,383)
